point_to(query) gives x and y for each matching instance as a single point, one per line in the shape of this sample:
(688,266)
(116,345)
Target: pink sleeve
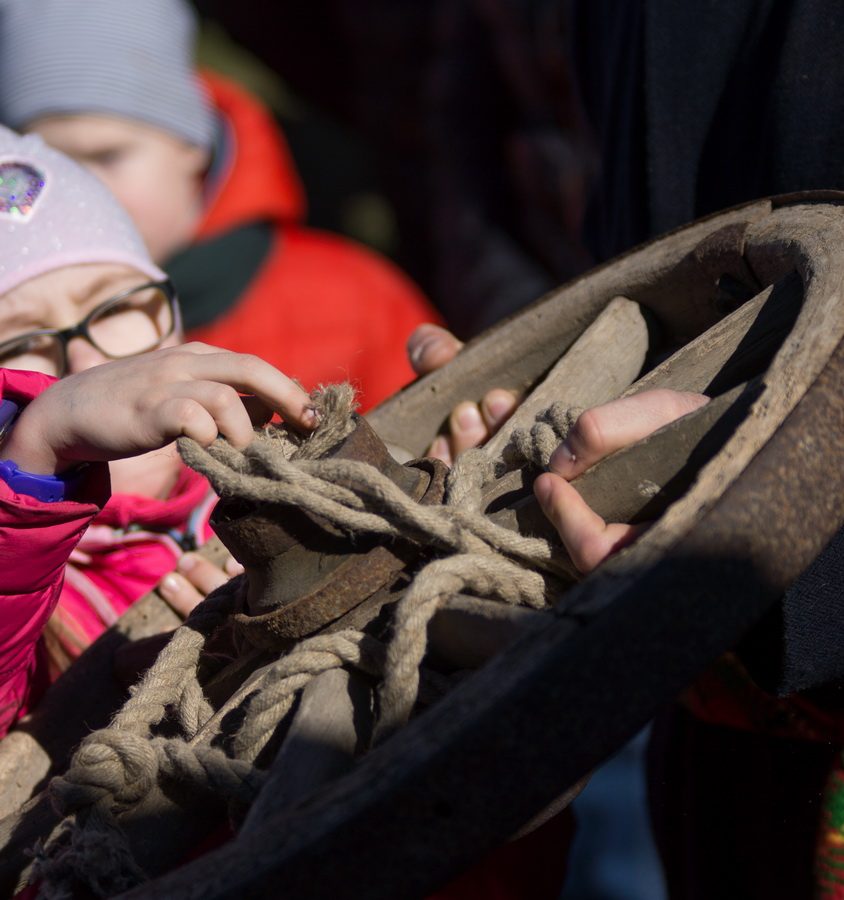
(36,539)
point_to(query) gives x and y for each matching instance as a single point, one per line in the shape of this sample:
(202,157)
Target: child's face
(157,177)
(65,297)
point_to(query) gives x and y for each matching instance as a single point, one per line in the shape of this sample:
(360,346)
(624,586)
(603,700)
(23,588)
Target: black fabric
(611,85)
(211,276)
(800,645)
(735,814)
(742,99)
(508,160)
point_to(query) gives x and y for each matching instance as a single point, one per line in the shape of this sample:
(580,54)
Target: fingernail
(170,584)
(469,418)
(233,567)
(499,406)
(417,351)
(186,562)
(562,459)
(311,417)
(439,447)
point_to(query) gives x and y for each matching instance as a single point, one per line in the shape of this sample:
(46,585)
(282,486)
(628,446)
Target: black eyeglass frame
(66,335)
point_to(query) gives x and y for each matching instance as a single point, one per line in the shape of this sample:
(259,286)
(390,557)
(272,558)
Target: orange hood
(259,180)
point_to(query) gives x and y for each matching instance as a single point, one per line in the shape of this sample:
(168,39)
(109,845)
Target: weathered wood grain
(598,366)
(736,349)
(671,279)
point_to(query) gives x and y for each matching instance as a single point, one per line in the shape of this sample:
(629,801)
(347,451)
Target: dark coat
(701,105)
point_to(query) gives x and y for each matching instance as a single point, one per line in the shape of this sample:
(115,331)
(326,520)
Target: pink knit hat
(53,213)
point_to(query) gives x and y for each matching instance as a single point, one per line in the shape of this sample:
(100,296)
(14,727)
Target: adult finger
(588,539)
(619,423)
(431,347)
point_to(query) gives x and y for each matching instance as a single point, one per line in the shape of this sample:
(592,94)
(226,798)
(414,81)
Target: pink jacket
(53,564)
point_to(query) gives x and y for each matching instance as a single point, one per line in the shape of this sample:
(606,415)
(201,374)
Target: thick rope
(535,445)
(115,768)
(114,771)
(358,499)
(292,672)
(483,575)
(171,682)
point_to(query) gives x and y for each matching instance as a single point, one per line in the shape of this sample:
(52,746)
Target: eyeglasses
(133,322)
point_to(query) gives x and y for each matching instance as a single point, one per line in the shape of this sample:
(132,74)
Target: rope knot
(536,445)
(117,767)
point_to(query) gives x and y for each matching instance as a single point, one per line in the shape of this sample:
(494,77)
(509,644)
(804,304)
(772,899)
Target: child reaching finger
(205,174)
(93,371)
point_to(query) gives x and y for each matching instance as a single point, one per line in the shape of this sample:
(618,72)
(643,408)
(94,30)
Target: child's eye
(105,158)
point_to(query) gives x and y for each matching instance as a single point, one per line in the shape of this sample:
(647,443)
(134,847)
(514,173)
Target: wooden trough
(744,306)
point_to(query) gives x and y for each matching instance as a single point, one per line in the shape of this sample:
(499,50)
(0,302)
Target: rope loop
(117,767)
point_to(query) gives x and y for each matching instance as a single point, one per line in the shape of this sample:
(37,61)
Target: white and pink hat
(54,213)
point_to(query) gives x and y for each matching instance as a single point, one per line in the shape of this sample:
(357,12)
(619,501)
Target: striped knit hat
(128,58)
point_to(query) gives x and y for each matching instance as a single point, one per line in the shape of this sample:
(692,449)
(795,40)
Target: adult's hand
(470,424)
(598,432)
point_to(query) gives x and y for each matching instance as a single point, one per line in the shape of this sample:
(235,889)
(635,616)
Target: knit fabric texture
(110,57)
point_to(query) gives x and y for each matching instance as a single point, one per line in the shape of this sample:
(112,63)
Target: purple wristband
(47,488)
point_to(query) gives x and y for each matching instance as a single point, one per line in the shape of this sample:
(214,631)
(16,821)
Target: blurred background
(337,165)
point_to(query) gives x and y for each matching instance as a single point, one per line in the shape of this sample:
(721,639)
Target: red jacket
(318,307)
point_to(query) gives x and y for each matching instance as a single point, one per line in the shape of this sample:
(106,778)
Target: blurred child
(78,289)
(204,171)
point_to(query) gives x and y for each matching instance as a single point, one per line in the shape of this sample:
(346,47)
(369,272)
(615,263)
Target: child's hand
(194,579)
(131,406)
(470,424)
(597,433)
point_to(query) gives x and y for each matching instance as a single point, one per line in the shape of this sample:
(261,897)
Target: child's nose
(81,355)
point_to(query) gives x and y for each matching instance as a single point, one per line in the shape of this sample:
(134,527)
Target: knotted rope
(291,673)
(117,767)
(535,445)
